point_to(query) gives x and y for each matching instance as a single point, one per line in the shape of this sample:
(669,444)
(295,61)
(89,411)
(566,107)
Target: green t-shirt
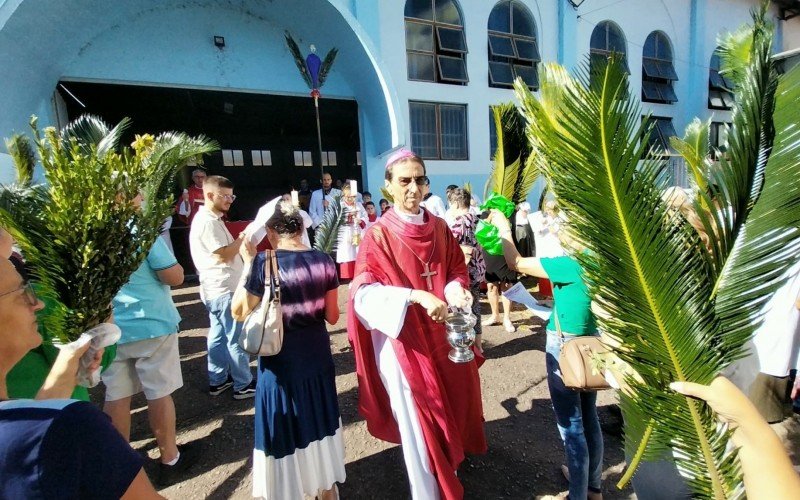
(571,297)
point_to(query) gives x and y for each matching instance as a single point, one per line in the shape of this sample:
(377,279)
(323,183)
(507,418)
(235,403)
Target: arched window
(436,49)
(607,39)
(720,88)
(513,51)
(658,72)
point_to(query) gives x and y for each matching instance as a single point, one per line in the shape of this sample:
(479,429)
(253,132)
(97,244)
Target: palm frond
(768,243)
(327,63)
(299,60)
(694,148)
(326,237)
(21,151)
(644,266)
(510,176)
(387,195)
(81,234)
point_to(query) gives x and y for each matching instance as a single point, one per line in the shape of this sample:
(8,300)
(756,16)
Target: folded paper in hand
(518,293)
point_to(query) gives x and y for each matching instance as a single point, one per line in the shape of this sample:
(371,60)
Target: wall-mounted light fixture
(576,3)
(219,41)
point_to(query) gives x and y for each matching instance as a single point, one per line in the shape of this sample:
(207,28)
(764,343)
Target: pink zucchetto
(398,155)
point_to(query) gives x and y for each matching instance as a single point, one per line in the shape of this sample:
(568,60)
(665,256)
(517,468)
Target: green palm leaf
(81,234)
(645,267)
(299,60)
(326,237)
(515,171)
(21,152)
(694,148)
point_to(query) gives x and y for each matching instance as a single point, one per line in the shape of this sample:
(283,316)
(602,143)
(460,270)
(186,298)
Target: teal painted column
(697,102)
(567,35)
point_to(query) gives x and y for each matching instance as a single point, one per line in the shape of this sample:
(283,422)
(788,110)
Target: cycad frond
(327,234)
(769,241)
(513,175)
(299,60)
(91,131)
(644,266)
(327,63)
(21,151)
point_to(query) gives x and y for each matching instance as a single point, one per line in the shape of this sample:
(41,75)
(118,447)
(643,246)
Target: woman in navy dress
(298,436)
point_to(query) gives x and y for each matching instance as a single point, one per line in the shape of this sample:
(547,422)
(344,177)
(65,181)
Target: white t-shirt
(207,235)
(777,340)
(434,205)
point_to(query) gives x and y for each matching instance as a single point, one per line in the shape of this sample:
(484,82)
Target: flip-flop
(490,322)
(510,328)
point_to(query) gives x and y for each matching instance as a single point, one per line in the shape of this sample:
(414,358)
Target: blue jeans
(576,416)
(224,354)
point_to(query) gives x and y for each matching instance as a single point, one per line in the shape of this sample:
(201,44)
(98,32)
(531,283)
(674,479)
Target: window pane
(728,99)
(663,50)
(523,23)
(420,67)
(420,9)
(650,68)
(501,46)
(715,99)
(649,49)
(667,71)
(715,79)
(500,73)
(423,129)
(667,92)
(650,91)
(715,61)
(451,39)
(598,40)
(452,69)
(419,36)
(666,129)
(727,82)
(527,50)
(454,132)
(528,74)
(256,155)
(500,18)
(616,41)
(447,12)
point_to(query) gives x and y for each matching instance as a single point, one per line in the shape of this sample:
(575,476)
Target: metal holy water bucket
(460,326)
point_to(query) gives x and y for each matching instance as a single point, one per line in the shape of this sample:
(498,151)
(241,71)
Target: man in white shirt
(215,253)
(431,202)
(321,199)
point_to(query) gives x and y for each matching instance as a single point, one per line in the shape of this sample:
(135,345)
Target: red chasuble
(447,395)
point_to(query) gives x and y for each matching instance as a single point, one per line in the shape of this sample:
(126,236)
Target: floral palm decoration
(676,312)
(81,232)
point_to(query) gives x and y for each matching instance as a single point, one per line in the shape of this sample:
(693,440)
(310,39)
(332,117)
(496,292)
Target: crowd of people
(410,262)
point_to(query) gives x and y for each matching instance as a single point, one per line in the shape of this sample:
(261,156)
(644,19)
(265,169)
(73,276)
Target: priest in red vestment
(408,269)
(192,198)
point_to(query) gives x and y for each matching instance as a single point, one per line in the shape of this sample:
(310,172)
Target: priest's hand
(457,297)
(433,305)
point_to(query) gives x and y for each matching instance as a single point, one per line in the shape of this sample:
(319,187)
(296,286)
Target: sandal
(510,328)
(490,322)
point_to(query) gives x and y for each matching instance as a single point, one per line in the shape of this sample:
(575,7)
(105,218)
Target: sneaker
(246,392)
(216,390)
(189,455)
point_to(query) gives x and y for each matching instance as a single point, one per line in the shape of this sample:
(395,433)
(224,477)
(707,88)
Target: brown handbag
(577,364)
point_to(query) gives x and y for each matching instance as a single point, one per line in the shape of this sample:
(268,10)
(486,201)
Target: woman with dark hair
(462,223)
(298,440)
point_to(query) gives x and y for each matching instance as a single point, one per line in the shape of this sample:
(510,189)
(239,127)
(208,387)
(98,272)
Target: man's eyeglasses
(422,180)
(28,292)
(229,197)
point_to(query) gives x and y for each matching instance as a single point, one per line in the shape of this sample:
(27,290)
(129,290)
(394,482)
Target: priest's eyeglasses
(30,294)
(422,180)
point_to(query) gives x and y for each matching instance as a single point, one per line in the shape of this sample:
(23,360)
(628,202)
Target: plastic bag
(489,238)
(499,202)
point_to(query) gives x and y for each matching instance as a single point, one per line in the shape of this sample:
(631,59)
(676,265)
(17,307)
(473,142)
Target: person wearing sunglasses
(55,448)
(215,253)
(409,269)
